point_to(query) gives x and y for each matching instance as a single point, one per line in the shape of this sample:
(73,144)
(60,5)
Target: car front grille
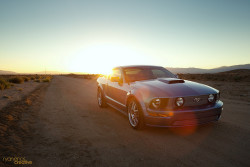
(192,101)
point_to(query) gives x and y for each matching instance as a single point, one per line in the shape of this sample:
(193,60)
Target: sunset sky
(92,36)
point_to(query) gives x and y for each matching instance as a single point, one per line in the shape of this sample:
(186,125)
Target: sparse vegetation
(28,101)
(238,78)
(20,89)
(26,79)
(47,78)
(41,78)
(6,97)
(1,87)
(228,77)
(4,84)
(37,76)
(84,76)
(17,80)
(6,81)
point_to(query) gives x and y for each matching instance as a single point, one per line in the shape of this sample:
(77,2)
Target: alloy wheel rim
(133,114)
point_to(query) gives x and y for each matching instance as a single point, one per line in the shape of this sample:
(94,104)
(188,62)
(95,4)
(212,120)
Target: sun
(100,59)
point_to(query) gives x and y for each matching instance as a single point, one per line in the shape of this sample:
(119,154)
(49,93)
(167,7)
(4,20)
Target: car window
(115,73)
(135,74)
(159,73)
(139,73)
(133,71)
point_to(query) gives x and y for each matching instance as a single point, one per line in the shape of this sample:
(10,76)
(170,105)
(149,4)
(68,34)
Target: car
(153,96)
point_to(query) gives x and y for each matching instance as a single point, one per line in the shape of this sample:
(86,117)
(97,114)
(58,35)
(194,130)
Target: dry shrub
(17,80)
(238,78)
(28,101)
(235,77)
(10,117)
(26,79)
(4,84)
(47,78)
(3,128)
(6,97)
(1,87)
(38,77)
(20,89)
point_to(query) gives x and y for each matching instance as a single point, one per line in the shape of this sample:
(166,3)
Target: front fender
(139,98)
(100,86)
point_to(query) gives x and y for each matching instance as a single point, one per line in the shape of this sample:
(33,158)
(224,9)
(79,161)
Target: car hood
(172,87)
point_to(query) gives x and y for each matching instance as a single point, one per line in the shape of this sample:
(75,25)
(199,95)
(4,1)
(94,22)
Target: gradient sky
(88,36)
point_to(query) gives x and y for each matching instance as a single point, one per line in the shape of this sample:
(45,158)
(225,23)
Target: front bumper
(188,117)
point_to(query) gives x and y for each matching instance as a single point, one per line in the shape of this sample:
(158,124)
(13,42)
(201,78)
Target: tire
(100,99)
(135,115)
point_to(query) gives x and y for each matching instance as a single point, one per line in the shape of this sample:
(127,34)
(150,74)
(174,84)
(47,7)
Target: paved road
(72,131)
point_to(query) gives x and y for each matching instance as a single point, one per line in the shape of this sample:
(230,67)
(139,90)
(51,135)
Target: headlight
(210,98)
(179,101)
(156,103)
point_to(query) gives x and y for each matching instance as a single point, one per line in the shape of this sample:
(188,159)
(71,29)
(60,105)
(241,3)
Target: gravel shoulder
(16,123)
(16,92)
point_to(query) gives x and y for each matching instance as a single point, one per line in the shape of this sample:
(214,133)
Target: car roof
(140,66)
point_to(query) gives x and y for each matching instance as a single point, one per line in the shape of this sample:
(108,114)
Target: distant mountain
(2,72)
(230,68)
(202,71)
(187,70)
(190,70)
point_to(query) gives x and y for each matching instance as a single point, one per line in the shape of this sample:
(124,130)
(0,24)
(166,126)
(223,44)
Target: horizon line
(81,72)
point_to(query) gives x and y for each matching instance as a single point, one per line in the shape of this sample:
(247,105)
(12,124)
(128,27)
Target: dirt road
(71,130)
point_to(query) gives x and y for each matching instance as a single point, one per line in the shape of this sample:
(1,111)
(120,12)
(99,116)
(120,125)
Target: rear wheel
(100,99)
(135,115)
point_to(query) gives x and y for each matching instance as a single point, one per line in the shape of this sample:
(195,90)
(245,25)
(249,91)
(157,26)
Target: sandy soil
(16,92)
(16,123)
(68,129)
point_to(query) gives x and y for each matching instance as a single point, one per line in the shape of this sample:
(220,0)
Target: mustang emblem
(197,99)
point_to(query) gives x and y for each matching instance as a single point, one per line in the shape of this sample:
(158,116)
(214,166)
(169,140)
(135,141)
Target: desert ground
(63,126)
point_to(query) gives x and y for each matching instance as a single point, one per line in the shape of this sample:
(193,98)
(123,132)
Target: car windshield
(146,73)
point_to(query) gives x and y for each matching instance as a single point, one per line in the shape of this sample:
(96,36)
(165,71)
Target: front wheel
(100,99)
(135,115)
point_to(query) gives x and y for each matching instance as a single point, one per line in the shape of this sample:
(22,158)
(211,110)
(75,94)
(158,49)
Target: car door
(118,88)
(111,84)
(121,90)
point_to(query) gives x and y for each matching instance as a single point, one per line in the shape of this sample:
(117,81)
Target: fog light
(211,98)
(156,103)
